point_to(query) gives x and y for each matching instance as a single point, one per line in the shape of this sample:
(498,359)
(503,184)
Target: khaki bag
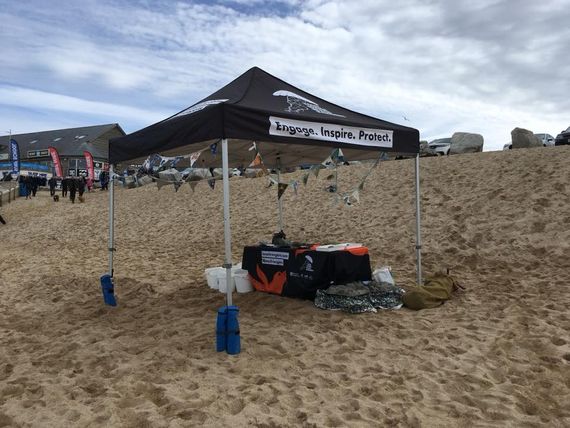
(435,291)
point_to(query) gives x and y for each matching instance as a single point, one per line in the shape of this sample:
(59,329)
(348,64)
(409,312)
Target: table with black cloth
(300,272)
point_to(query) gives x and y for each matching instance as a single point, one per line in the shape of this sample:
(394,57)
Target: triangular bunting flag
(193,185)
(256,161)
(281,187)
(212,183)
(194,157)
(315,170)
(295,185)
(214,148)
(332,160)
(356,195)
(305,178)
(177,185)
(361,185)
(161,183)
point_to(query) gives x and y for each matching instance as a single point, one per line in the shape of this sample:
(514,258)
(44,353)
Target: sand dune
(496,355)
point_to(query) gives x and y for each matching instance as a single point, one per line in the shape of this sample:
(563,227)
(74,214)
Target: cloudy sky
(441,66)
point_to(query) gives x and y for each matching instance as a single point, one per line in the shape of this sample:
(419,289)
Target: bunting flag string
(156,164)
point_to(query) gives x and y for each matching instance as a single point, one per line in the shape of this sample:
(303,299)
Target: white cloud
(447,66)
(33,100)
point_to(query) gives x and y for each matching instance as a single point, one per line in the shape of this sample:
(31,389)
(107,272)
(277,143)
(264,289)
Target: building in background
(70,144)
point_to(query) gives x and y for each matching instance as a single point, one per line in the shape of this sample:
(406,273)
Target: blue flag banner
(15,156)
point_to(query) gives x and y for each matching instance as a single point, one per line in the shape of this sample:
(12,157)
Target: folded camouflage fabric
(357,297)
(350,290)
(435,291)
(385,296)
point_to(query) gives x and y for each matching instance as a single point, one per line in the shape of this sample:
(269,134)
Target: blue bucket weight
(233,345)
(108,290)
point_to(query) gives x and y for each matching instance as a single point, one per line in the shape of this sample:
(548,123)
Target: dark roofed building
(70,144)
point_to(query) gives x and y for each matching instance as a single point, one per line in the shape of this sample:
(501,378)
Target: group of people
(75,186)
(29,184)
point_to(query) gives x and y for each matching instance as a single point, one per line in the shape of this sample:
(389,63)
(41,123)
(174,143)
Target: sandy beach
(496,355)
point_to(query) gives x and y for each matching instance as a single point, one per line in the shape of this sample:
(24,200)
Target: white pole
(279,201)
(111,218)
(418,224)
(227,231)
(11,157)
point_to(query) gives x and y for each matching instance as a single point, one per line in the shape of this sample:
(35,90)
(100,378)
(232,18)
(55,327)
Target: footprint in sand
(558,341)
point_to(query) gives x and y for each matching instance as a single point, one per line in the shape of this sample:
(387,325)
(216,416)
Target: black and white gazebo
(291,126)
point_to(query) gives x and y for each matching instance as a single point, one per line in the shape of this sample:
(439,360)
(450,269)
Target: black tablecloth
(301,272)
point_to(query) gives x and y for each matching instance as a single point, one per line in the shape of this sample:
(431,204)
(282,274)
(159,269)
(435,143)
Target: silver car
(441,146)
(546,139)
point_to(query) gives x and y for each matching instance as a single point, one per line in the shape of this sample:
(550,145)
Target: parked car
(508,146)
(441,146)
(546,139)
(426,150)
(563,138)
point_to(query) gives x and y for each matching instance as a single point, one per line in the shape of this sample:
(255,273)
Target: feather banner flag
(56,162)
(90,164)
(15,156)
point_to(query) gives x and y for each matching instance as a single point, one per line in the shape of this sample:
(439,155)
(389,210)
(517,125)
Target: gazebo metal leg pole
(280,203)
(227,231)
(111,219)
(418,224)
